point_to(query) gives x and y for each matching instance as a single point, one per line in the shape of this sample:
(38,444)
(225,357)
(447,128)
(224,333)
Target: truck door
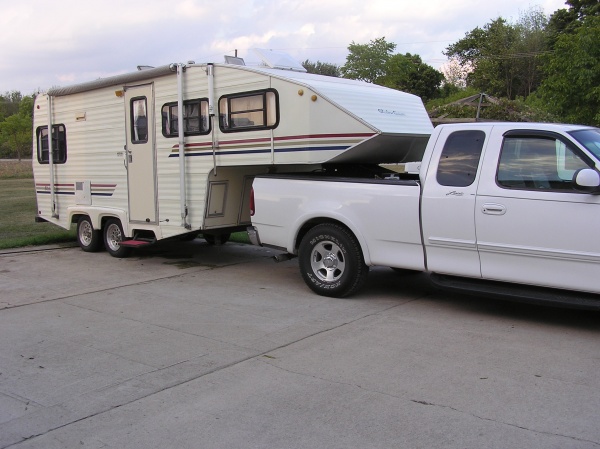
(140,153)
(533,226)
(448,203)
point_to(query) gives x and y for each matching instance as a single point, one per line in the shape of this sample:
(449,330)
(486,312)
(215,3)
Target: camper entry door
(141,168)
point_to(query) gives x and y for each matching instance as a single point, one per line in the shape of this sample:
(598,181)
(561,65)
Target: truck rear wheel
(113,236)
(331,261)
(88,238)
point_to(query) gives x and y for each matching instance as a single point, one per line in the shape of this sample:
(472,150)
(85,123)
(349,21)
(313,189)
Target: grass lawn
(17,221)
(18,206)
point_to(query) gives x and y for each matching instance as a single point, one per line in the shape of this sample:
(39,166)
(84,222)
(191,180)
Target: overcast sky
(46,43)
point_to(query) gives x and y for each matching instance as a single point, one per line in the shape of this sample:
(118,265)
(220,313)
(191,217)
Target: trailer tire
(331,261)
(113,236)
(88,238)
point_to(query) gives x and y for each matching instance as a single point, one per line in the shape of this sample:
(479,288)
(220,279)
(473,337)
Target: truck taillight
(252,209)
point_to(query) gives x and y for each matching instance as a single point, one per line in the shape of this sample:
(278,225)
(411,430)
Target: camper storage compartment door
(217,195)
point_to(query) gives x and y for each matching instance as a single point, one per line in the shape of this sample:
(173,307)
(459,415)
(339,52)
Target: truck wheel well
(314,222)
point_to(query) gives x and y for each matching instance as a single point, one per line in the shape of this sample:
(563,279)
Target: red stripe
(268,139)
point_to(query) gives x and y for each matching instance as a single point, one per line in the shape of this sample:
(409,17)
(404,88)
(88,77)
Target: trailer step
(136,243)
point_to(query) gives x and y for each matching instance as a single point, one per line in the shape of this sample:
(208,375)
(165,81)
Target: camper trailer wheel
(113,236)
(331,261)
(88,239)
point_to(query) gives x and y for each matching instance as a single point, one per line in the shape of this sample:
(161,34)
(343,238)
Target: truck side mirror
(587,180)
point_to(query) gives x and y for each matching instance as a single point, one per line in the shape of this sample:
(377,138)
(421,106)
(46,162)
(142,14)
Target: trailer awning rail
(117,80)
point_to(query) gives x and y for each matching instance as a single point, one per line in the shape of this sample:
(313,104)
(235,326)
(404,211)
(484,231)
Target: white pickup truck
(517,204)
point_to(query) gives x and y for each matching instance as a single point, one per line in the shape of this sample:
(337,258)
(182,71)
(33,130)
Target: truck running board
(518,292)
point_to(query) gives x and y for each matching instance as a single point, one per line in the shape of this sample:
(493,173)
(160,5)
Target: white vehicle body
(523,208)
(120,153)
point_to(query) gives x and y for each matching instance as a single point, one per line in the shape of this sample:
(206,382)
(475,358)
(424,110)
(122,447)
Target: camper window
(249,111)
(139,120)
(59,144)
(195,118)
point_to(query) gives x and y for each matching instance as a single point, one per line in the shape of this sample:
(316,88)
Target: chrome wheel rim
(85,233)
(327,261)
(113,237)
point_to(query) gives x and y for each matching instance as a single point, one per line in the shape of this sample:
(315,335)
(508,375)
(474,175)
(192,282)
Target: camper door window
(59,144)
(249,111)
(139,120)
(195,118)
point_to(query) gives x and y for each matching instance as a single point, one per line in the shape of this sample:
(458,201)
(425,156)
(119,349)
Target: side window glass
(139,120)
(59,144)
(195,118)
(537,163)
(248,111)
(460,158)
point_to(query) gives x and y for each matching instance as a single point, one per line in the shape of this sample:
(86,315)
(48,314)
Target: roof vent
(234,60)
(278,60)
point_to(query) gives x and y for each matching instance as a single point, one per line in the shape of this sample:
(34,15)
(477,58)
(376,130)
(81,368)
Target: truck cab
(514,202)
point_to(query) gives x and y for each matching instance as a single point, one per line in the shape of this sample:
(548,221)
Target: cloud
(73,41)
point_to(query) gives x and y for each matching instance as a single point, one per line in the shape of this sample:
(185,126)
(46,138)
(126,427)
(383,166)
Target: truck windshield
(589,138)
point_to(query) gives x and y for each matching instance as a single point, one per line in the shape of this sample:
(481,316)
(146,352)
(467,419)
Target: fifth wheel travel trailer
(128,171)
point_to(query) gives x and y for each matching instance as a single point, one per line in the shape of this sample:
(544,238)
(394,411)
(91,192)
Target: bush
(503,110)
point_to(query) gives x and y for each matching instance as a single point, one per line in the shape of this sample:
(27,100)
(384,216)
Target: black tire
(88,238)
(216,239)
(113,236)
(331,261)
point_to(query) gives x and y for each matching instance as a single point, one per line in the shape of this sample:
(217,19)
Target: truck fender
(329,217)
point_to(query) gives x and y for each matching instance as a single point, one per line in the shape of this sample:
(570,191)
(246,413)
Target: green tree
(367,62)
(410,74)
(321,68)
(504,58)
(487,50)
(16,129)
(571,88)
(567,21)
(531,45)
(9,103)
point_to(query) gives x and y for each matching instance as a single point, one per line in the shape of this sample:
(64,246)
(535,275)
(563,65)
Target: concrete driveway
(193,346)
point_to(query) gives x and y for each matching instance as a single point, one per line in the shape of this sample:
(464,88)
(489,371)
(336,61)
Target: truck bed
(383,214)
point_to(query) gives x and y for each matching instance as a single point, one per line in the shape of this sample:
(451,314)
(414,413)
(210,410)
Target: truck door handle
(493,209)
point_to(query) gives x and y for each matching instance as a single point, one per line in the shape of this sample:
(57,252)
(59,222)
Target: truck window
(589,138)
(249,111)
(195,118)
(59,144)
(537,163)
(460,158)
